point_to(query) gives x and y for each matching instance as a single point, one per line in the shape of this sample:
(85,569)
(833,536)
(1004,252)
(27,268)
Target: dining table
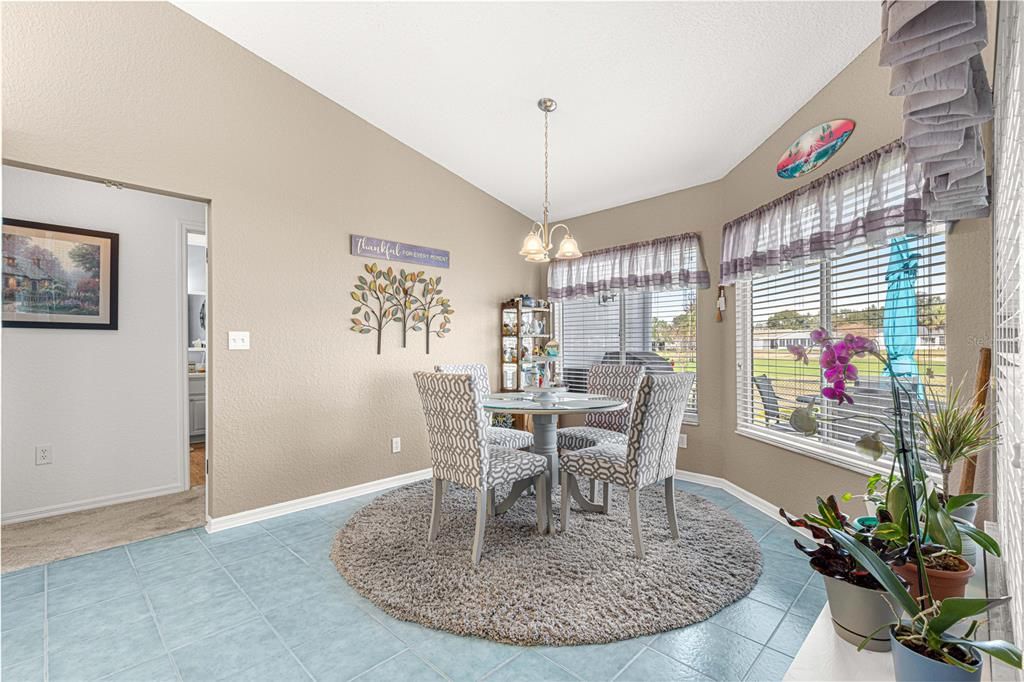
(545,412)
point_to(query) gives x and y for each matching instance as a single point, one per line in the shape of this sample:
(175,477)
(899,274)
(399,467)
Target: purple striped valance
(876,197)
(675,262)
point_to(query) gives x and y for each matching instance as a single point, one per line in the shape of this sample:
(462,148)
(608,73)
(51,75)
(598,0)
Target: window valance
(865,202)
(675,262)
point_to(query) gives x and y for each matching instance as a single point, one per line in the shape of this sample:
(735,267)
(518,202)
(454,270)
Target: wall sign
(372,247)
(814,148)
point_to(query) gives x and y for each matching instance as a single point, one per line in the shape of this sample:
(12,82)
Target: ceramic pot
(910,666)
(865,523)
(969,551)
(944,584)
(858,612)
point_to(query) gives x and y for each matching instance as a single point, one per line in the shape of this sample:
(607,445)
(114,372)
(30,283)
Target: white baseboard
(281,508)
(83,505)
(728,486)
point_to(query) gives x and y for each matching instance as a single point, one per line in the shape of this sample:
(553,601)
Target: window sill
(815,450)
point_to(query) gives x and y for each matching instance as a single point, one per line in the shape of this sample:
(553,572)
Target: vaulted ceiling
(652,97)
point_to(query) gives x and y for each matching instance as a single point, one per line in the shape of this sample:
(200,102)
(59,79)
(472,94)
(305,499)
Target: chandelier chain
(546,204)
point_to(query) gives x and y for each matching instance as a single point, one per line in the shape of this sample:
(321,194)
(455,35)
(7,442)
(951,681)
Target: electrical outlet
(44,454)
(396,445)
(238,340)
(682,440)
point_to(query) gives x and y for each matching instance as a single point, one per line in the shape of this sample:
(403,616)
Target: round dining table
(545,438)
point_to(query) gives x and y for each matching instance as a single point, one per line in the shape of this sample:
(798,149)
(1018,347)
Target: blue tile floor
(264,602)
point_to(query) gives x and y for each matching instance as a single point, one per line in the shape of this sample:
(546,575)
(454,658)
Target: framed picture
(58,277)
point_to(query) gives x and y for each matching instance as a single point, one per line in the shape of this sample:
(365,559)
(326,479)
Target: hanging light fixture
(538,242)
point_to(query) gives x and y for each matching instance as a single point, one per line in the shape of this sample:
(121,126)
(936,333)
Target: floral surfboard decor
(814,148)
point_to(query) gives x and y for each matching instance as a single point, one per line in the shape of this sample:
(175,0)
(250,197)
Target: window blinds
(846,295)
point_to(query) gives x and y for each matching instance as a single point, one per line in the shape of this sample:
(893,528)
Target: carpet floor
(31,543)
(584,586)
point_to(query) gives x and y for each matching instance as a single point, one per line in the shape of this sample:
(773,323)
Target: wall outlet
(396,445)
(682,440)
(44,454)
(238,340)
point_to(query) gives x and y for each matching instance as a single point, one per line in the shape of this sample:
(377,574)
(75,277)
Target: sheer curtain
(876,197)
(675,262)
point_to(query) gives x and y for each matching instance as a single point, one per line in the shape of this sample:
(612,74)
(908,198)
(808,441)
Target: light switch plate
(238,340)
(682,440)
(396,445)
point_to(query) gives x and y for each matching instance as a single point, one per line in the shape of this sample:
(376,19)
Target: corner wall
(778,475)
(144,94)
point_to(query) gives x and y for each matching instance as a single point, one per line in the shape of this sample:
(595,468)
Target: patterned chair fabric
(650,452)
(616,381)
(496,435)
(456,425)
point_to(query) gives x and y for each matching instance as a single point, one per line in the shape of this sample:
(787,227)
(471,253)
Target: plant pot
(910,666)
(944,584)
(969,551)
(858,612)
(865,523)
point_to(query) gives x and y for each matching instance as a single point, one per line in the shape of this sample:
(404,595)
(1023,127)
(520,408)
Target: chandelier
(538,242)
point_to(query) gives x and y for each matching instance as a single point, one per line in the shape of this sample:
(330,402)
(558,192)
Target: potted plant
(858,603)
(925,646)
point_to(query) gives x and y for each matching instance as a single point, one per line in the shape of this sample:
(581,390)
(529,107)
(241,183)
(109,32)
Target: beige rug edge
(32,543)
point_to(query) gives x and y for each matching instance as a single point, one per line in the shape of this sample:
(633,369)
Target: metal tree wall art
(410,298)
(373,295)
(432,305)
(404,299)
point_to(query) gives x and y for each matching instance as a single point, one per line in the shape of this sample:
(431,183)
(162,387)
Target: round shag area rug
(584,586)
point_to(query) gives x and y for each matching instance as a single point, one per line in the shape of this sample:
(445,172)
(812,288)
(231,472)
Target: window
(847,294)
(656,329)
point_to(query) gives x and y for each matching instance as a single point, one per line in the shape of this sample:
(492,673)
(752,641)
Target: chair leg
(634,521)
(542,504)
(435,510)
(593,490)
(564,492)
(606,501)
(481,524)
(670,506)
(490,502)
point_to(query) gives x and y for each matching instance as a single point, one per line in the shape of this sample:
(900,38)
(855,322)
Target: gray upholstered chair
(496,435)
(460,453)
(648,456)
(599,428)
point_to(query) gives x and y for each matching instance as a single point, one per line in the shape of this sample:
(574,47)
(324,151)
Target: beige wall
(781,476)
(144,94)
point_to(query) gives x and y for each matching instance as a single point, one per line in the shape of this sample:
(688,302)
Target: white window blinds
(847,295)
(1008,295)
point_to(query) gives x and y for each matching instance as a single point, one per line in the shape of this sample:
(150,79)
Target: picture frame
(59,277)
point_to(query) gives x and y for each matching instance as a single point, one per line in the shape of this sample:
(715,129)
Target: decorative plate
(814,148)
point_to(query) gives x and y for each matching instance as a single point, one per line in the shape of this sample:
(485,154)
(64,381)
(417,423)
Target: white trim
(759,503)
(282,508)
(93,503)
(181,308)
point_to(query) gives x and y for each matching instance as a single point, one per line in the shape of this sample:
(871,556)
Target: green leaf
(984,540)
(957,501)
(954,609)
(891,532)
(941,526)
(877,568)
(996,648)
(355,311)
(828,515)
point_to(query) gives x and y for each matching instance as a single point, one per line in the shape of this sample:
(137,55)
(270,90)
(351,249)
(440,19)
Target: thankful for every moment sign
(372,247)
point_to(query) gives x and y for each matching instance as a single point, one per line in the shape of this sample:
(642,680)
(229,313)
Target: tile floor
(264,602)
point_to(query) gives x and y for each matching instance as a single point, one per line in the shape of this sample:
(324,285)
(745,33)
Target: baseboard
(84,505)
(281,508)
(728,486)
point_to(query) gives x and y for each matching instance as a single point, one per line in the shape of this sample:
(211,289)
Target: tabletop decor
(583,587)
(814,148)
(57,277)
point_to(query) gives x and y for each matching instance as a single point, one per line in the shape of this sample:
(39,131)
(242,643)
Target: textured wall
(778,475)
(145,94)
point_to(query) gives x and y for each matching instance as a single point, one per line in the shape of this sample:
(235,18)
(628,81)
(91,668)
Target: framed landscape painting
(58,277)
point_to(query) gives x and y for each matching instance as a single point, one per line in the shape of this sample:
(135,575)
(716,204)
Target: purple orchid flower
(799,352)
(837,392)
(819,335)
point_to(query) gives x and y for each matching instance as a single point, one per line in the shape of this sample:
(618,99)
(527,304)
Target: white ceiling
(652,97)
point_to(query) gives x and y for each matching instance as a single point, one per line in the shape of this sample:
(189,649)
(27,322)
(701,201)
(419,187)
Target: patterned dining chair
(648,456)
(496,435)
(460,454)
(615,381)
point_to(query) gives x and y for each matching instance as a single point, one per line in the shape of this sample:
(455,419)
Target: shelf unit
(524,332)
